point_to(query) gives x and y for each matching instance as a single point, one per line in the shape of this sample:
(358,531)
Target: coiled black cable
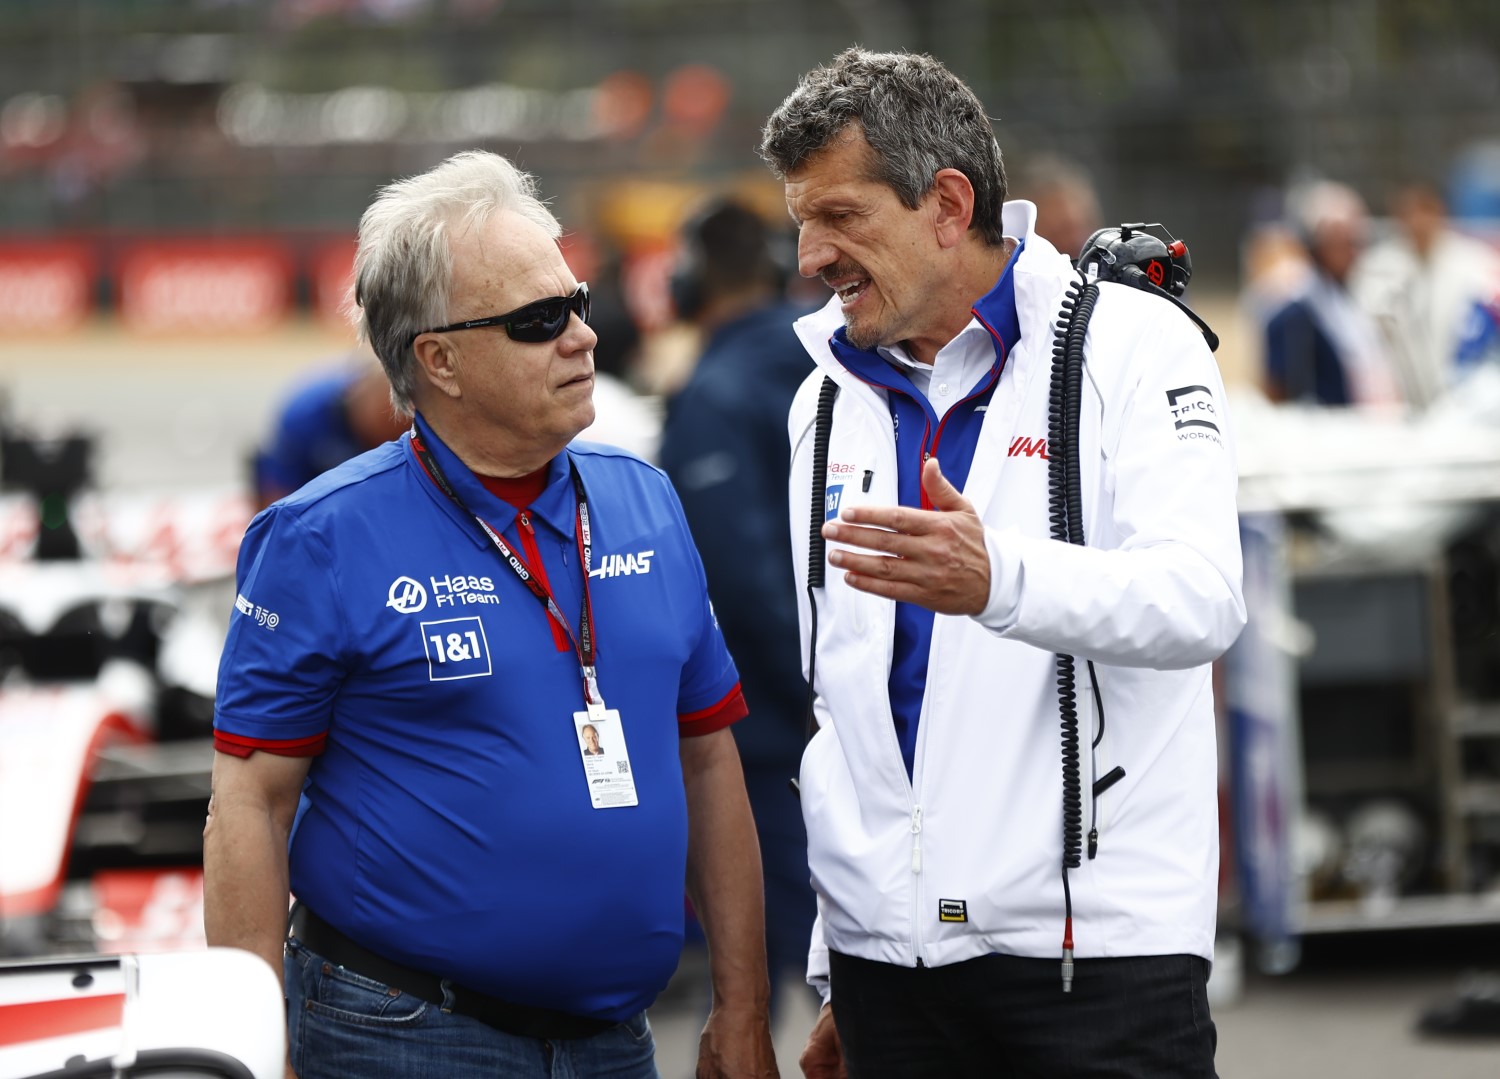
(822,430)
(1065,517)
(816,545)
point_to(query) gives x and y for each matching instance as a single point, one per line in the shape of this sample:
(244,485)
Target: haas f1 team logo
(619,565)
(1021,446)
(406,596)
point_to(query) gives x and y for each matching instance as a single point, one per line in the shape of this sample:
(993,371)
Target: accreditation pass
(606,762)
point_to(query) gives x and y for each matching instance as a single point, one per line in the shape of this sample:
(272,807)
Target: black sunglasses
(543,320)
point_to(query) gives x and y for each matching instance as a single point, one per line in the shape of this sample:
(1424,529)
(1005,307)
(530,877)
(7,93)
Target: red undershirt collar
(519,491)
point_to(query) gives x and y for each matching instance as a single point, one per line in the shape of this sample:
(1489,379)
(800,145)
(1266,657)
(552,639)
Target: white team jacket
(1153,599)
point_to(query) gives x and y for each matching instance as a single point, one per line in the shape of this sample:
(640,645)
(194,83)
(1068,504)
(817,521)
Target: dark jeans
(1003,1017)
(346,1026)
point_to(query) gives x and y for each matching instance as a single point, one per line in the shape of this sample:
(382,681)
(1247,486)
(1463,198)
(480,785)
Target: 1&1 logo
(831,499)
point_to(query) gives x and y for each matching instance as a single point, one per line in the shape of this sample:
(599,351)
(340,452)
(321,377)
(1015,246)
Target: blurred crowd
(1395,316)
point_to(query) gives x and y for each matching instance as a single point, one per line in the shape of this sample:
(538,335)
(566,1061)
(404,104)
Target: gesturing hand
(934,558)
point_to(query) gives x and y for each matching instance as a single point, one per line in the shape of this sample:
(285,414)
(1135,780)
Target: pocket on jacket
(1104,773)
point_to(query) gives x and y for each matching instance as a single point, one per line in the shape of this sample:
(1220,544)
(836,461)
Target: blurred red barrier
(45,285)
(330,272)
(227,285)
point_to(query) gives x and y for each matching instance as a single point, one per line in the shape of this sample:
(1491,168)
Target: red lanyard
(583,643)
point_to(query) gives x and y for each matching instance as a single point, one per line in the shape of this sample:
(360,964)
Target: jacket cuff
(1006,574)
(817,960)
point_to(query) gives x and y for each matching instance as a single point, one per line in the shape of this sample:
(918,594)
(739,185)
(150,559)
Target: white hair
(404,264)
(1325,202)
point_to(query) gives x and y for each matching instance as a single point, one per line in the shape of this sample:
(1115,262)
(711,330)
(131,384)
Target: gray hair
(404,264)
(917,116)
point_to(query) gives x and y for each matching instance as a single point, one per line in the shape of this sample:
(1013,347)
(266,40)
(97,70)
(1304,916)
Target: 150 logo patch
(263,617)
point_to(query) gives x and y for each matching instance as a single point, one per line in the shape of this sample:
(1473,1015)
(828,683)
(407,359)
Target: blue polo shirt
(919,434)
(447,822)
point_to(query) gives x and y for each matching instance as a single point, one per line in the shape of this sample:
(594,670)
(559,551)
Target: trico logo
(1028,447)
(1193,413)
(263,617)
(406,596)
(617,565)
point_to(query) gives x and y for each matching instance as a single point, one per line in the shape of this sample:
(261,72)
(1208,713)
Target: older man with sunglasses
(421,636)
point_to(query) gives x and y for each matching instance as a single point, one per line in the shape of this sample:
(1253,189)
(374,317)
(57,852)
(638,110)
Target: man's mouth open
(850,293)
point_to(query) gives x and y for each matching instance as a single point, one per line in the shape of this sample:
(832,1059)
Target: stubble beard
(864,337)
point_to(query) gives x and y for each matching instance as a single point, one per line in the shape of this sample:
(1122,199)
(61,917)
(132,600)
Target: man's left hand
(736,1044)
(934,558)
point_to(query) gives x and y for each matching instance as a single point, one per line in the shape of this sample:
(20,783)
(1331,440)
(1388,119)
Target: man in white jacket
(933,790)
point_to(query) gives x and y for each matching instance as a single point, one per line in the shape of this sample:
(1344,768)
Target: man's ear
(437,363)
(952,206)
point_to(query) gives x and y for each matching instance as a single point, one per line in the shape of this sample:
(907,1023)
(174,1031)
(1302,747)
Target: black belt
(522,1020)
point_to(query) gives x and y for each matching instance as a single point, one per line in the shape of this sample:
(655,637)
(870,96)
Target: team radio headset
(1127,255)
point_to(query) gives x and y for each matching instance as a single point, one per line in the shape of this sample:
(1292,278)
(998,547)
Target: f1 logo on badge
(406,596)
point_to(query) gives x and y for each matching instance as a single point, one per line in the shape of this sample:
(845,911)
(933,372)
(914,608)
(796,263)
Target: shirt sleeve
(284,656)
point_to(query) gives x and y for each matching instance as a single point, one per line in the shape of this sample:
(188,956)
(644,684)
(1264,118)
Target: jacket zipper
(916,889)
(930,451)
(916,808)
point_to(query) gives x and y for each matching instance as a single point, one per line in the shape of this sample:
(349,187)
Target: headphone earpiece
(781,247)
(726,246)
(685,285)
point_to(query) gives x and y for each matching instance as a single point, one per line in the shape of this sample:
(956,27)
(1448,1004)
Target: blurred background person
(622,416)
(1321,347)
(1067,204)
(326,419)
(725,448)
(1429,288)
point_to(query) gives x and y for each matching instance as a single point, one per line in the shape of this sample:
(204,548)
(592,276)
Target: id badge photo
(606,762)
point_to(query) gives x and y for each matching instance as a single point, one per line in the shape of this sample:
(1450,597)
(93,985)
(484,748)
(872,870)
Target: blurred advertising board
(228,285)
(46,286)
(330,272)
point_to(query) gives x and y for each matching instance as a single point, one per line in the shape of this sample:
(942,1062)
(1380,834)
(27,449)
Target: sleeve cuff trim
(716,717)
(239,746)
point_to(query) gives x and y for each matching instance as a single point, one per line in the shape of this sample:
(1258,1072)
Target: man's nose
(579,335)
(813,250)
